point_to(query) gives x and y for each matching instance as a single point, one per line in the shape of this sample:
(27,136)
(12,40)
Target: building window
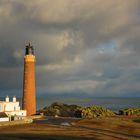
(4,107)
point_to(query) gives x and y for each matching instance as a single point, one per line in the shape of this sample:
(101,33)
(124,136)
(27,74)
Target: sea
(113,103)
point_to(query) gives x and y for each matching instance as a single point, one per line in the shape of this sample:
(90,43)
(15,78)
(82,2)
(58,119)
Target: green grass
(40,137)
(137,120)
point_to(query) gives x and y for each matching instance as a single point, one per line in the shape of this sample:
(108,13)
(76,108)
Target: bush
(96,111)
(130,111)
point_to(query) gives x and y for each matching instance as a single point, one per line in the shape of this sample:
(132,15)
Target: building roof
(3,115)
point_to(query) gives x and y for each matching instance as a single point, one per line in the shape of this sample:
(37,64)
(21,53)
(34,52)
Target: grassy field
(114,128)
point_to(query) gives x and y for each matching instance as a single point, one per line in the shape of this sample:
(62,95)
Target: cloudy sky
(81,46)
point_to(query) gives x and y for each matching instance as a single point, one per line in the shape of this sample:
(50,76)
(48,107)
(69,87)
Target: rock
(65,124)
(60,109)
(130,111)
(63,110)
(96,111)
(77,113)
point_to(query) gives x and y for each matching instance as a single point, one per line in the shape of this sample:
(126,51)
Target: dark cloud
(88,46)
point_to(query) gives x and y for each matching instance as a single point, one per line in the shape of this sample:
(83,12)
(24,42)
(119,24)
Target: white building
(12,108)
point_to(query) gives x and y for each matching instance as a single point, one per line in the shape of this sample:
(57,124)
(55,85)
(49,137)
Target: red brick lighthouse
(29,95)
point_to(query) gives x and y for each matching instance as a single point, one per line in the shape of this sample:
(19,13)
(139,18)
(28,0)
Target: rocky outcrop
(130,111)
(60,109)
(64,110)
(96,111)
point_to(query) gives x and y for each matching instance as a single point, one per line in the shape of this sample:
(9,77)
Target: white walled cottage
(12,108)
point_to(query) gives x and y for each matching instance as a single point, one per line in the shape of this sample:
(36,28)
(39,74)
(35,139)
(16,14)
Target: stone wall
(18,122)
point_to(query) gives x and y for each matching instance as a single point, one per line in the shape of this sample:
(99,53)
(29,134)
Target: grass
(113,128)
(137,120)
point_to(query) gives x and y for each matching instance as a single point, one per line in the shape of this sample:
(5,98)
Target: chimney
(14,99)
(7,99)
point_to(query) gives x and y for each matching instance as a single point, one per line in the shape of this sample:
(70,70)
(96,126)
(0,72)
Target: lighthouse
(29,92)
